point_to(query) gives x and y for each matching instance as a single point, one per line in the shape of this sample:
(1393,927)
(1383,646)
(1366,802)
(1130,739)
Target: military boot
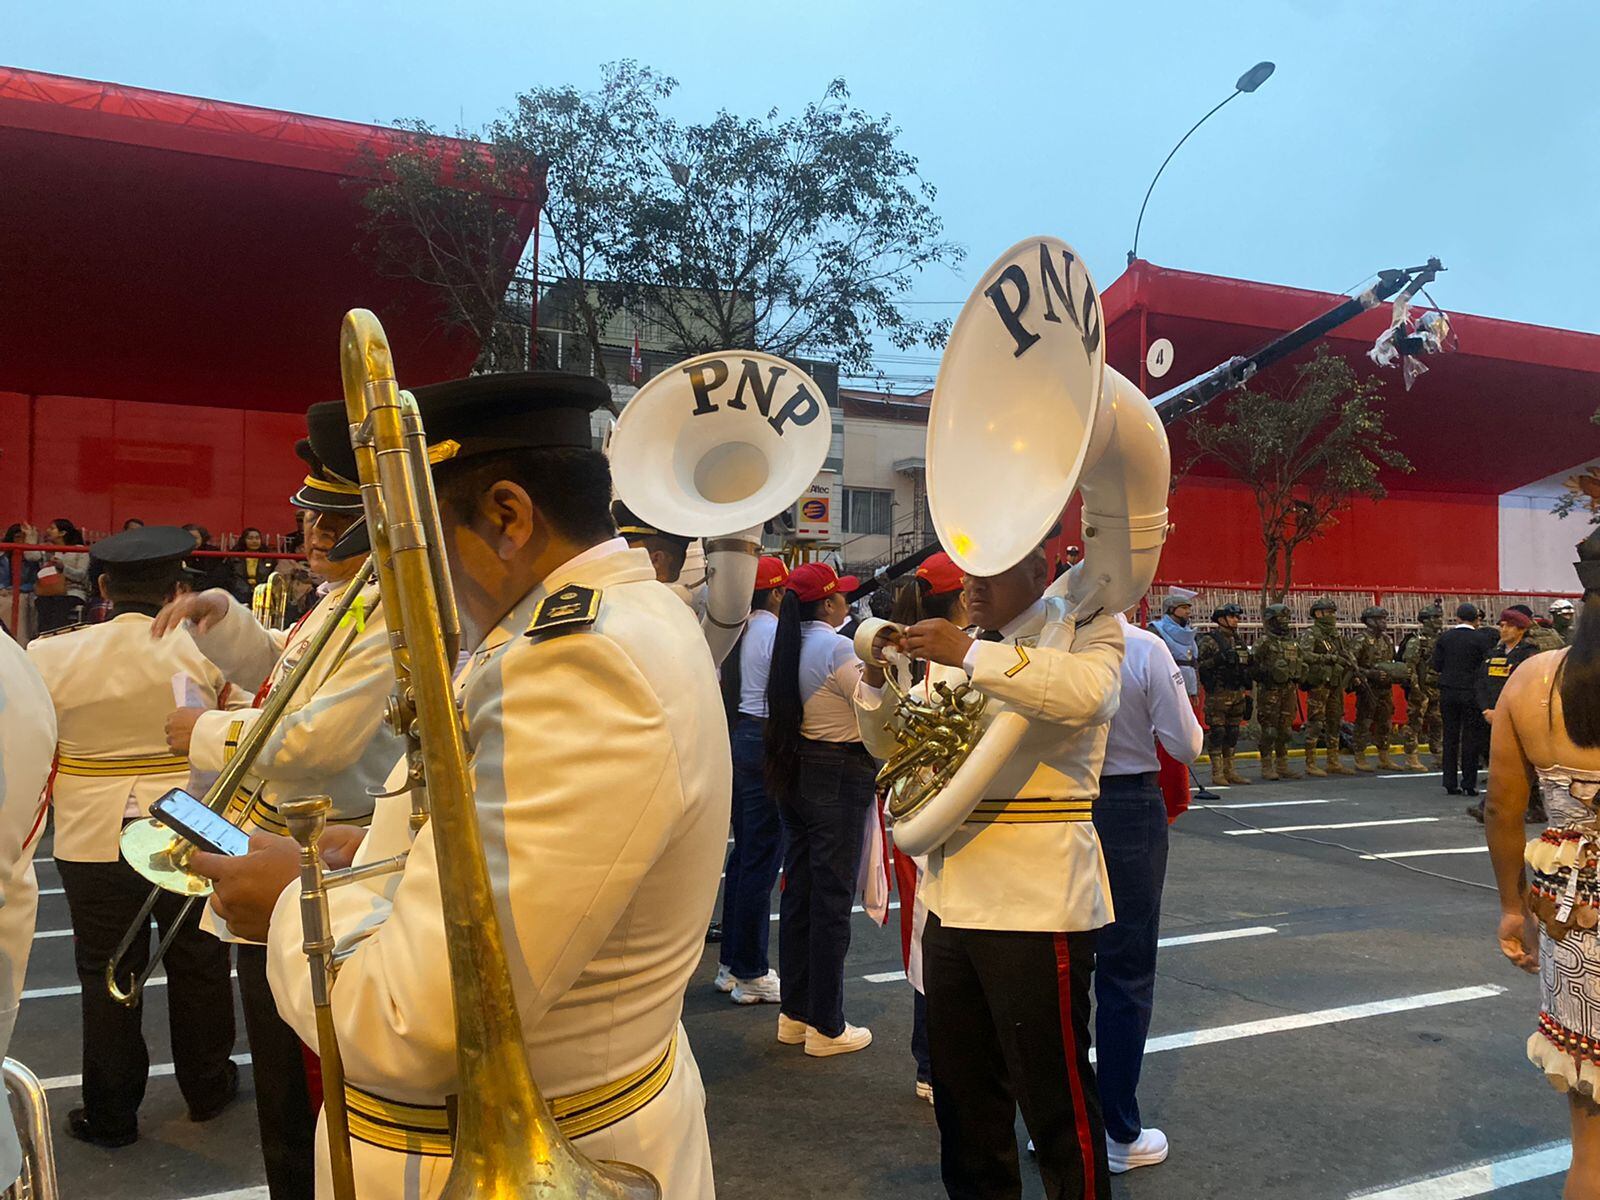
(1311,763)
(1283,766)
(1269,772)
(1335,767)
(1413,763)
(1384,760)
(1219,770)
(1359,760)
(1231,768)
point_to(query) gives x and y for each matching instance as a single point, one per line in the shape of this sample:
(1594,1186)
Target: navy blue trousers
(754,861)
(1131,820)
(824,822)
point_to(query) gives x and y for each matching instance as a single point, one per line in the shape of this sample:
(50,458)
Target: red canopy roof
(167,248)
(1510,406)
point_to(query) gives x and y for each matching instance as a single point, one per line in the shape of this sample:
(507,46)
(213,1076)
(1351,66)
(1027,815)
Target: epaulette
(58,632)
(572,607)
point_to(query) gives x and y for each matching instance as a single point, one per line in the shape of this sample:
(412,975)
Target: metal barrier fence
(16,596)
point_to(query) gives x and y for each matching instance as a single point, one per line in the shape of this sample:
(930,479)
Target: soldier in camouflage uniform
(1541,633)
(1275,664)
(1422,703)
(1374,651)
(1325,663)
(1561,615)
(1224,668)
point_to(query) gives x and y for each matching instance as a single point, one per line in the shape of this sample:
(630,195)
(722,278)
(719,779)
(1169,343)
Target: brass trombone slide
(159,855)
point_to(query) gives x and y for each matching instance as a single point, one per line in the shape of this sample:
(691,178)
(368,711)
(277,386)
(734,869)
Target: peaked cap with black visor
(490,414)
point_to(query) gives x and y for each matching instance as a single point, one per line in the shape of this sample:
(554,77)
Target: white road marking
(1270,803)
(1339,825)
(1323,1016)
(52,891)
(157,1070)
(1187,939)
(892,904)
(1426,853)
(1483,1177)
(51,933)
(1217,935)
(74,989)
(1411,775)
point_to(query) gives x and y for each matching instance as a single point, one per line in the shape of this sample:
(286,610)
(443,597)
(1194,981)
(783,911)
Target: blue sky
(1389,133)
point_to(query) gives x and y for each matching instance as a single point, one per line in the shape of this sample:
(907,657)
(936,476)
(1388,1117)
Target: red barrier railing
(15,553)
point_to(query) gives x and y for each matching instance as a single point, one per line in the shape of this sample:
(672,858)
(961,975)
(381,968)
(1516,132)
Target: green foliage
(1306,450)
(435,215)
(795,235)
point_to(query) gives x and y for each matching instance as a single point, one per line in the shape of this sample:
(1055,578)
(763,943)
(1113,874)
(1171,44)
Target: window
(868,510)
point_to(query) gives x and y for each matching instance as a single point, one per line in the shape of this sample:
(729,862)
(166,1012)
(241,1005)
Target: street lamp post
(1248,82)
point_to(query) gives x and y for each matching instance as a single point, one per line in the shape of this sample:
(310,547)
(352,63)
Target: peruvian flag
(636,359)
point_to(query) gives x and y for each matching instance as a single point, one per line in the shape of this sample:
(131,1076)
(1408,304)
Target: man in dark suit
(1457,657)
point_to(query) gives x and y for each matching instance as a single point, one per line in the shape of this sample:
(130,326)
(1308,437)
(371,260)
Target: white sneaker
(757,991)
(724,981)
(790,1031)
(924,1090)
(1146,1150)
(854,1037)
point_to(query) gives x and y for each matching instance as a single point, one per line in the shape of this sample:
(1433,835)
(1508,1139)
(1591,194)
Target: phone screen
(180,811)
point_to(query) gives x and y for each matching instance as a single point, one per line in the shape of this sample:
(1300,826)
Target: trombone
(507,1142)
(158,854)
(269,601)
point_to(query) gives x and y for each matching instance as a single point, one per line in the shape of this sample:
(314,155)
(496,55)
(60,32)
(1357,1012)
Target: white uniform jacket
(112,688)
(27,744)
(602,773)
(332,739)
(1028,858)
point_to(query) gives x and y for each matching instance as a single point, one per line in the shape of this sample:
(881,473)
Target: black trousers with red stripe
(1008,1027)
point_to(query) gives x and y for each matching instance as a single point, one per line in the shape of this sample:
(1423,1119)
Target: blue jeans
(824,819)
(1131,820)
(753,862)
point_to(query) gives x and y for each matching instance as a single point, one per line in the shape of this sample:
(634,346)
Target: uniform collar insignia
(570,607)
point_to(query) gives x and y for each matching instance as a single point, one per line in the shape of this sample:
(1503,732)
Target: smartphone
(183,814)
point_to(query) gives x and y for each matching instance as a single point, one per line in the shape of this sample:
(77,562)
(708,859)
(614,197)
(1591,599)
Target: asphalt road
(1326,1026)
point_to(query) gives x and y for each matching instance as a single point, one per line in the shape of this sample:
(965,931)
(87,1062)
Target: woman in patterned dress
(1546,728)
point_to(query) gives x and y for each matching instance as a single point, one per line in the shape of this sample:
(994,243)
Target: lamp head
(1255,76)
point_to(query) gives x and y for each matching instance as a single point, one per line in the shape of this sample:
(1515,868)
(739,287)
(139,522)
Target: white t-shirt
(1155,704)
(829,675)
(755,661)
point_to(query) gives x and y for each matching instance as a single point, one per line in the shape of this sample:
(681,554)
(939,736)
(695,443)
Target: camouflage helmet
(1227,610)
(1276,616)
(1374,612)
(1431,614)
(1323,604)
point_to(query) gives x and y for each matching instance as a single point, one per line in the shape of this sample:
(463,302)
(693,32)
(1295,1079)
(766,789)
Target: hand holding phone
(189,818)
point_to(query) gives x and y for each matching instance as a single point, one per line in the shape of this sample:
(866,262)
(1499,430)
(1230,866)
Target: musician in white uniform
(112,687)
(601,769)
(27,746)
(1014,895)
(668,551)
(332,739)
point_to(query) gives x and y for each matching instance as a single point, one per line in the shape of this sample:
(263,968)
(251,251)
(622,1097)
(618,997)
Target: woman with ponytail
(822,780)
(1547,725)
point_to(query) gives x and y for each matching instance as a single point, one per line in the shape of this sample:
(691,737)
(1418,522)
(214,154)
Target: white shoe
(1146,1150)
(854,1037)
(724,981)
(924,1090)
(757,991)
(790,1031)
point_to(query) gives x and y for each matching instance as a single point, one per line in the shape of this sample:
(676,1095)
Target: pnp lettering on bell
(708,376)
(1011,294)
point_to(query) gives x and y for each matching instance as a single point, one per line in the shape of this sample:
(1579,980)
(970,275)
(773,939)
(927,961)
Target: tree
(1305,450)
(597,147)
(791,235)
(437,215)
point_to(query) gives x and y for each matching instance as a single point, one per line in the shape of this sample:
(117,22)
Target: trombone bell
(160,855)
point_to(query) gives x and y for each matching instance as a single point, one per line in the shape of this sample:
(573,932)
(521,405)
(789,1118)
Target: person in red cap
(1513,649)
(822,779)
(743,970)
(935,593)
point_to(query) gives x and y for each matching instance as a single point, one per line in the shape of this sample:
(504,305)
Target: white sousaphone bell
(714,448)
(1025,412)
